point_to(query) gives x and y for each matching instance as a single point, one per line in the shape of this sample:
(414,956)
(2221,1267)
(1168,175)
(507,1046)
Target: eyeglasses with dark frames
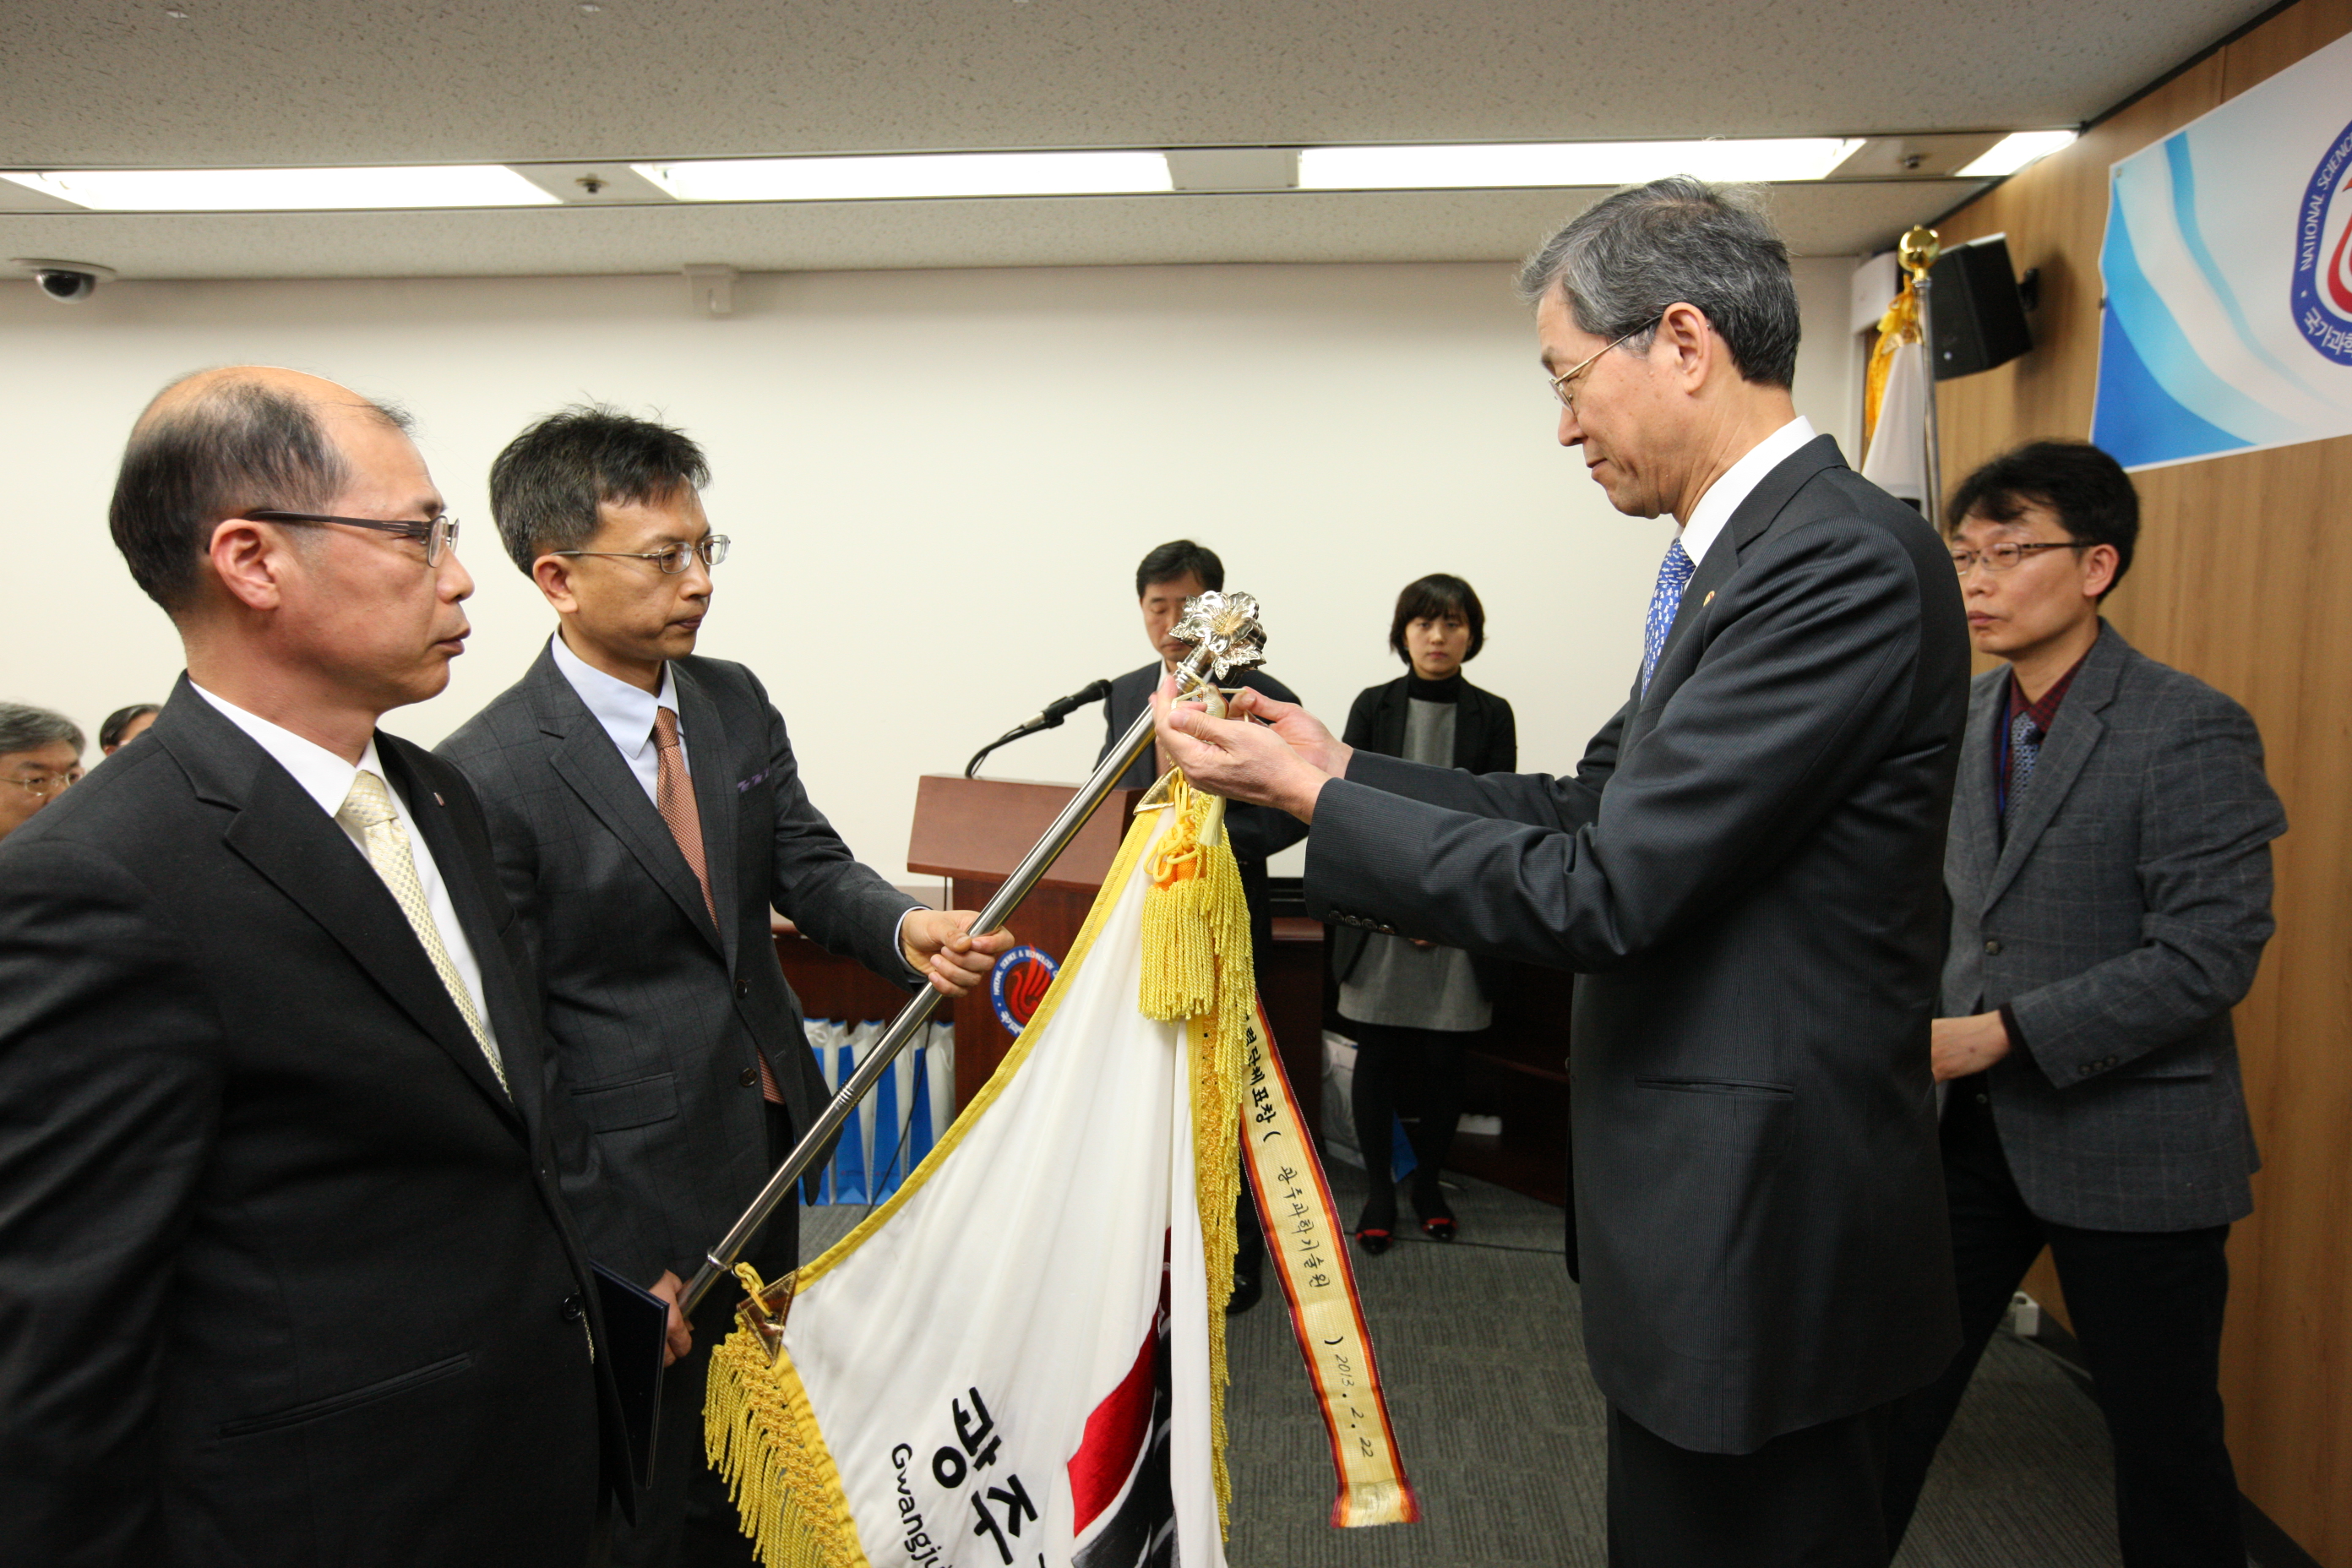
(1559,388)
(439,535)
(2005,556)
(672,561)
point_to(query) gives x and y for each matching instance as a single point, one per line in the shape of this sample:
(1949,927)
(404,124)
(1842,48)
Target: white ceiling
(98,83)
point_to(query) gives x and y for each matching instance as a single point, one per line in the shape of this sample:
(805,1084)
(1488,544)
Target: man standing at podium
(1172,573)
(648,811)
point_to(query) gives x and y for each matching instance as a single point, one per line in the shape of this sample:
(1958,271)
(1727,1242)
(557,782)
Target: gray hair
(28,729)
(1621,262)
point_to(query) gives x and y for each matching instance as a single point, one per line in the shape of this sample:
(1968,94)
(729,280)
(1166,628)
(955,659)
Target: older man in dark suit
(1745,869)
(648,811)
(2110,875)
(285,1274)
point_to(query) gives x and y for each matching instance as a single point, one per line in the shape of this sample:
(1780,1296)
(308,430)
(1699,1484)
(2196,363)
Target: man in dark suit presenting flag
(1743,869)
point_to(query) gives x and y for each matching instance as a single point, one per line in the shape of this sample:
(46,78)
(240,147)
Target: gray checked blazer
(2120,919)
(1744,873)
(657,1020)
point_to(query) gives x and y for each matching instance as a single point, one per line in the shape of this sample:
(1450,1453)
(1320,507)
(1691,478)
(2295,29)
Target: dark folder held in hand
(637,1328)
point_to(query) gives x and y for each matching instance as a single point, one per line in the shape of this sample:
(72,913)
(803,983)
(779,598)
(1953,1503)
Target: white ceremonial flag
(1896,461)
(1018,1360)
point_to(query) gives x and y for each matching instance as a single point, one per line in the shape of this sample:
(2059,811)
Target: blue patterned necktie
(1674,576)
(2024,749)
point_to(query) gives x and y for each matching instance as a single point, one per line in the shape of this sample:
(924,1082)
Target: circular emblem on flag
(2321,296)
(1018,983)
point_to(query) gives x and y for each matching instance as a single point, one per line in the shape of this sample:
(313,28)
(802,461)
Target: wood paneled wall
(2243,577)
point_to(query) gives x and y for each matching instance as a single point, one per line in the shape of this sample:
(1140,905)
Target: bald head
(222,442)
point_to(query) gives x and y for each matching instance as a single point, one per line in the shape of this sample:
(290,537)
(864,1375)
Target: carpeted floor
(1501,1427)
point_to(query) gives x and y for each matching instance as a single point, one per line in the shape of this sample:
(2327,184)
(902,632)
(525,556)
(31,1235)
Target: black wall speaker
(1979,321)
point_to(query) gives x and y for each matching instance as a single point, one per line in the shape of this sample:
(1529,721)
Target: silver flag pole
(1229,633)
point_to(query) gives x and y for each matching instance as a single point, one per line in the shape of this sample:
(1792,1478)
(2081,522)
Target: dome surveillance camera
(66,282)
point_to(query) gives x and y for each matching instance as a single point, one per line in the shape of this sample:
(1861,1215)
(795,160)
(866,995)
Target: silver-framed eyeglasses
(41,786)
(438,535)
(1560,387)
(2005,556)
(673,560)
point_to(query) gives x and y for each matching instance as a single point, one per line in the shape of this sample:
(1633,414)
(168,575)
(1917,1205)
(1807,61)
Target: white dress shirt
(1724,496)
(327,779)
(626,713)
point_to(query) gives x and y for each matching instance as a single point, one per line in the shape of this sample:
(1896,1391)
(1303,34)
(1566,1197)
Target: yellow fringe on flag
(761,1437)
(1900,325)
(1197,965)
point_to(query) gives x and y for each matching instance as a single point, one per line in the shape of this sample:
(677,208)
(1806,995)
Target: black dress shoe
(1248,1286)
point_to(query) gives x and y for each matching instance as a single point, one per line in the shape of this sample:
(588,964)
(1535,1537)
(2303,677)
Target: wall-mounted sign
(2228,265)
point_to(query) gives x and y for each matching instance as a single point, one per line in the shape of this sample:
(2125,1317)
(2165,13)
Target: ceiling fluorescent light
(1567,163)
(885,176)
(288,190)
(2015,150)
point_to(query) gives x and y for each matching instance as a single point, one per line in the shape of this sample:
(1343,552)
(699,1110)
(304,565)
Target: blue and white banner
(2228,265)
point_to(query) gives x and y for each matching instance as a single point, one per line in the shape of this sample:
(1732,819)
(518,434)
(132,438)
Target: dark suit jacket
(2120,919)
(284,1278)
(1747,869)
(659,1020)
(1486,741)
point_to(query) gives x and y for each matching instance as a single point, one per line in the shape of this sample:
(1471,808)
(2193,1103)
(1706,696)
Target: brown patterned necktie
(674,798)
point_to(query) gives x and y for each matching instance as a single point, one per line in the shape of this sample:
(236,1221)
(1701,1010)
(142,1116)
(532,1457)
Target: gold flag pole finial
(1918,250)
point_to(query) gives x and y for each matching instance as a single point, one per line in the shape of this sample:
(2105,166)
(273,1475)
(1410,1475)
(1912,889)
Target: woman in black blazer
(1409,1004)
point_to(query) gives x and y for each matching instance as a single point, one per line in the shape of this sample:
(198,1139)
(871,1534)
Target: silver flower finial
(1226,624)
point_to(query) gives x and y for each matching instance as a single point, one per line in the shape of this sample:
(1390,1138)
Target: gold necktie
(368,811)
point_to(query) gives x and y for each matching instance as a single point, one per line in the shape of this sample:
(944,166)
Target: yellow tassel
(760,1435)
(1197,965)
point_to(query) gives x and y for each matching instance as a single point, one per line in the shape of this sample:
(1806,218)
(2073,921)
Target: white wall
(938,483)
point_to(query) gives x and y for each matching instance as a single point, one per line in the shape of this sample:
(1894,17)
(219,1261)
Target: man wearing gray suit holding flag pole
(1745,871)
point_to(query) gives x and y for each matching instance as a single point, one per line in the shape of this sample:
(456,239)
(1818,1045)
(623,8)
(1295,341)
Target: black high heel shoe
(1436,1215)
(1375,1227)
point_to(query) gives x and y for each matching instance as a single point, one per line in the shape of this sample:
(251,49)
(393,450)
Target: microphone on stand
(1048,718)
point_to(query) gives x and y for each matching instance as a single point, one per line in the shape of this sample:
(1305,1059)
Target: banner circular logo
(2321,296)
(1018,983)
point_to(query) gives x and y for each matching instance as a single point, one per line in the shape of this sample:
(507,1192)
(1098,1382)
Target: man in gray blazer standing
(2110,875)
(1745,871)
(648,811)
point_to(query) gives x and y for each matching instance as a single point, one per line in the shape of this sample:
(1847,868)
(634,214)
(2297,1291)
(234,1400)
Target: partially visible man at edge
(2109,868)
(40,759)
(286,1277)
(1745,871)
